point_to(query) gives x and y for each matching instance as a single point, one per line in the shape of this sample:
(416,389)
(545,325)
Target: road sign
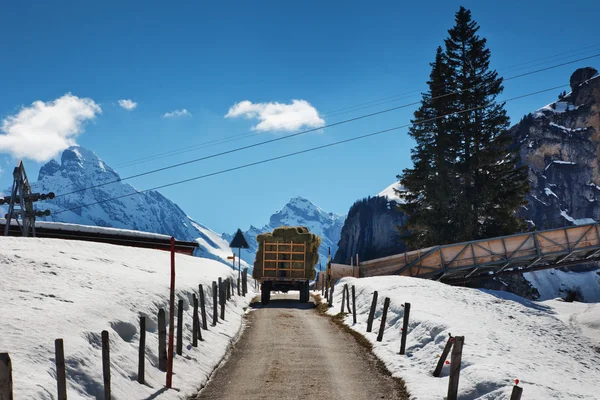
(239,241)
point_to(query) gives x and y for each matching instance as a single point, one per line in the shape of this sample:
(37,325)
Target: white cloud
(278,116)
(177,114)
(40,132)
(127,104)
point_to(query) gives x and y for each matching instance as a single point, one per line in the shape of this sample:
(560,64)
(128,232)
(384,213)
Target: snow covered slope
(148,212)
(390,193)
(299,211)
(506,338)
(553,283)
(74,290)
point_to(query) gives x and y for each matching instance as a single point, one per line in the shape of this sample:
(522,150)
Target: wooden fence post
(343,299)
(245,281)
(404,328)
(179,327)
(386,305)
(6,382)
(195,327)
(215,303)
(220,287)
(455,367)
(516,393)
(327,290)
(331,296)
(353,305)
(106,365)
(372,312)
(142,352)
(162,340)
(442,360)
(202,307)
(347,297)
(61,375)
(222,294)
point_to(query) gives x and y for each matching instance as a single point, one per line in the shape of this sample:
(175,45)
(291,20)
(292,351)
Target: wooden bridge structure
(461,262)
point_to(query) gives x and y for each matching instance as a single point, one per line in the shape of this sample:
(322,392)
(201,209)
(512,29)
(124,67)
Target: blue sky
(205,57)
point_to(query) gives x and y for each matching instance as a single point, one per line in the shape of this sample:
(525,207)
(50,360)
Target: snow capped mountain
(299,212)
(149,212)
(390,193)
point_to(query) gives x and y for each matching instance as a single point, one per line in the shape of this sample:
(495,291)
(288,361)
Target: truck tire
(265,293)
(304,293)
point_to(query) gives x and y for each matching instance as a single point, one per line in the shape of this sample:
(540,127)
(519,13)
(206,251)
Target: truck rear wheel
(304,293)
(265,293)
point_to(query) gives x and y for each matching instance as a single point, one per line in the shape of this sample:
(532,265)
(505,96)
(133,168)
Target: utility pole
(20,203)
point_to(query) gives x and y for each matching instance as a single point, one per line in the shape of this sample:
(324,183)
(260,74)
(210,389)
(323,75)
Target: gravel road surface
(289,351)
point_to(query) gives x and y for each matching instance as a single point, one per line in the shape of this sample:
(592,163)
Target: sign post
(238,242)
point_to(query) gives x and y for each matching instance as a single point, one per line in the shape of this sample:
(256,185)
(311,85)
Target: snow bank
(553,283)
(583,317)
(506,338)
(73,290)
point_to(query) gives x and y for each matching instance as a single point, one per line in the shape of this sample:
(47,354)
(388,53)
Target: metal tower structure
(20,203)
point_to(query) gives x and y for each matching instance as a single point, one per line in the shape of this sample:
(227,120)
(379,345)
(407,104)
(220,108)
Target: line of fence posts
(6,380)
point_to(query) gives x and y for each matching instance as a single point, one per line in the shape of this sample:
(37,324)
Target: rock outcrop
(371,230)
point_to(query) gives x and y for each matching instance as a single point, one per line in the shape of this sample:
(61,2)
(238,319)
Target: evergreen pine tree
(427,187)
(464,183)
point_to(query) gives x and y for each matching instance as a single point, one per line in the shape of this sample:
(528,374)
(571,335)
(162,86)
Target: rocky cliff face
(561,145)
(371,229)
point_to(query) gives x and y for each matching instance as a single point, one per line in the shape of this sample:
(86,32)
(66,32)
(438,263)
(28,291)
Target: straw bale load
(291,235)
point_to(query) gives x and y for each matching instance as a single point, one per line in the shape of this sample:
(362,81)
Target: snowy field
(74,290)
(550,346)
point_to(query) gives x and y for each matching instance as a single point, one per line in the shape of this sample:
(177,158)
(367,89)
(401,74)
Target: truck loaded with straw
(286,260)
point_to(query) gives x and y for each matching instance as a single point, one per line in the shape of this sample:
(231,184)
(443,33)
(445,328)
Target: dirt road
(289,351)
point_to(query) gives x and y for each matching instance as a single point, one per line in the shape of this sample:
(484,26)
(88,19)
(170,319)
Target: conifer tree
(427,187)
(464,184)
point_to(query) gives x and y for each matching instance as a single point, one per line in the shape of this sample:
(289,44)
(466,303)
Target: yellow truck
(285,260)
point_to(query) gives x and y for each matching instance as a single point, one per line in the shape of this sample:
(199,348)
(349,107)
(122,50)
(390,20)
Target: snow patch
(558,107)
(390,193)
(549,192)
(580,221)
(560,162)
(567,129)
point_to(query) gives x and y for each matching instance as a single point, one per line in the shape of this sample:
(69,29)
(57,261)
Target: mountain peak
(78,165)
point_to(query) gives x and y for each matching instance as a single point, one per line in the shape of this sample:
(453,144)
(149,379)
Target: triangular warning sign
(239,241)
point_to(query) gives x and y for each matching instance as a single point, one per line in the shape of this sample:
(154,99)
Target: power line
(343,110)
(238,149)
(301,152)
